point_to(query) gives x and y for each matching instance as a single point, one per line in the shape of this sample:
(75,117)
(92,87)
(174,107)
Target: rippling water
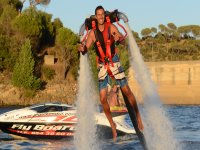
(185,121)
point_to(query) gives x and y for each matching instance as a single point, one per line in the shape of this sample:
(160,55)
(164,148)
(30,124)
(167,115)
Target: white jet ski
(55,120)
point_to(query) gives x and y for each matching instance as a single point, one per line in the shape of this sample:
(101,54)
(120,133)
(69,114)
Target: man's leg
(126,90)
(106,109)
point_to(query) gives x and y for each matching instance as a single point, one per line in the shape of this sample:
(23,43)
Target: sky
(141,13)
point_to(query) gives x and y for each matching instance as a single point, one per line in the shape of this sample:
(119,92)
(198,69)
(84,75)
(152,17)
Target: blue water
(185,121)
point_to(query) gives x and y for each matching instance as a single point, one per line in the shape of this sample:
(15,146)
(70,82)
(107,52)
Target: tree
(4,52)
(17,4)
(8,14)
(171,26)
(66,41)
(189,32)
(146,32)
(23,73)
(153,31)
(48,32)
(195,31)
(36,2)
(136,36)
(57,23)
(163,28)
(36,26)
(172,31)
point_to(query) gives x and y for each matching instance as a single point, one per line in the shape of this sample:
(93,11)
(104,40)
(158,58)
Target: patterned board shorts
(104,83)
(117,71)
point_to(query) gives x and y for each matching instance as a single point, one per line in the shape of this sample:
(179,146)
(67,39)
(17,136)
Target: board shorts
(117,70)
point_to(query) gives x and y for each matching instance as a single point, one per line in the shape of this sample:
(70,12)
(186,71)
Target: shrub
(23,73)
(48,72)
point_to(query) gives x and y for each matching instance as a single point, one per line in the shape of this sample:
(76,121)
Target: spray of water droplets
(85,135)
(158,128)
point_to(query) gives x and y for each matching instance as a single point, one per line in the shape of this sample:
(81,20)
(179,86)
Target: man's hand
(82,48)
(116,37)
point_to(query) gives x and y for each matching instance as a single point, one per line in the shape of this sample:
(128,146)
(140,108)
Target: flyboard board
(114,16)
(132,115)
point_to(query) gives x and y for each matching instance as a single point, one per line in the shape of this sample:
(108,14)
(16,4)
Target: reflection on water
(34,144)
(185,119)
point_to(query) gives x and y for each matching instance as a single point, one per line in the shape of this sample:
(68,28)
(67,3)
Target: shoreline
(55,91)
(177,83)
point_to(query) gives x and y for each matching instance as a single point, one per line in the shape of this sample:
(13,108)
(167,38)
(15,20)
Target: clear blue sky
(141,13)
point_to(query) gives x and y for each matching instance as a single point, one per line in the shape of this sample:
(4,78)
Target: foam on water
(158,129)
(85,135)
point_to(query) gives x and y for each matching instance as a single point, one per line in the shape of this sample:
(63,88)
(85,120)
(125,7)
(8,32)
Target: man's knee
(127,91)
(103,100)
(103,97)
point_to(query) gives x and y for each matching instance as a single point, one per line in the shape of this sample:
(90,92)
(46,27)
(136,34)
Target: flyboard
(134,121)
(114,16)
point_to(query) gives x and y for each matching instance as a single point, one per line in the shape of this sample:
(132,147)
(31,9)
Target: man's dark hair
(98,7)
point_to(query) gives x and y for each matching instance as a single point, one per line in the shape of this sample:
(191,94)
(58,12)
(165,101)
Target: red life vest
(104,45)
(105,49)
(104,53)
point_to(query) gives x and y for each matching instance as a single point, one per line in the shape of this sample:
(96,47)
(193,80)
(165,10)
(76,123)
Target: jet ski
(56,120)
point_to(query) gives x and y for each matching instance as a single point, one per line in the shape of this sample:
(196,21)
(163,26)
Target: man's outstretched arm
(89,41)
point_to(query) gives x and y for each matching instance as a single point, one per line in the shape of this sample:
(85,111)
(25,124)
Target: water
(85,136)
(185,122)
(158,129)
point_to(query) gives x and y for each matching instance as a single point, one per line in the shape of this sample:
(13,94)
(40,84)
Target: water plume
(158,128)
(85,135)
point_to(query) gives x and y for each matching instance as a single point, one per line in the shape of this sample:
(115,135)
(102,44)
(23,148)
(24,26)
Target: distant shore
(178,83)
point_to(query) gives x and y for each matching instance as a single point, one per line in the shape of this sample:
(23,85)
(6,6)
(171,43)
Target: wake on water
(85,135)
(158,129)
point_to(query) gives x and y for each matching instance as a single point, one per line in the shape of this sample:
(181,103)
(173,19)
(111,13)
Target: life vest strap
(105,58)
(110,72)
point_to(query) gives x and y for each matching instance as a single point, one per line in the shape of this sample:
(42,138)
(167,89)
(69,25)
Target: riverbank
(55,91)
(178,82)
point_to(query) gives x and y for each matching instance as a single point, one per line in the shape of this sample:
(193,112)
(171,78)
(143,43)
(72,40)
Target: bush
(23,73)
(48,73)
(29,93)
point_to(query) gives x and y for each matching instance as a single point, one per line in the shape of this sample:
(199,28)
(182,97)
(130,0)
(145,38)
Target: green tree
(36,26)
(48,32)
(171,26)
(195,29)
(153,31)
(8,14)
(66,41)
(4,52)
(136,36)
(163,28)
(146,32)
(189,32)
(23,73)
(17,4)
(57,23)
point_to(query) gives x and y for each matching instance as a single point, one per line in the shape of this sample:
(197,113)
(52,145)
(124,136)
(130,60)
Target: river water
(185,121)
